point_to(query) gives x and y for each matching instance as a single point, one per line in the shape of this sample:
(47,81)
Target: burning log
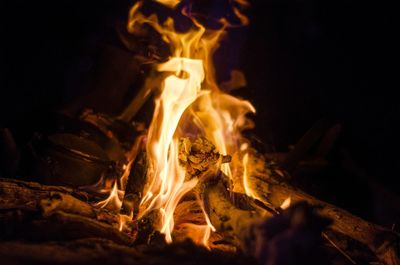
(381,241)
(256,232)
(271,240)
(228,219)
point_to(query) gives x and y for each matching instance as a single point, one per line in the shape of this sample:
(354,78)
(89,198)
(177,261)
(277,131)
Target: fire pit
(186,187)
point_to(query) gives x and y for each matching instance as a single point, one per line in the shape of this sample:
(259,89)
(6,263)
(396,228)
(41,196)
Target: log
(37,212)
(292,237)
(383,242)
(29,190)
(236,224)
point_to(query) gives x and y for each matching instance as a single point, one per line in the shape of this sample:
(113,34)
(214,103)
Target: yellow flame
(169,3)
(286,203)
(168,178)
(188,94)
(246,186)
(113,201)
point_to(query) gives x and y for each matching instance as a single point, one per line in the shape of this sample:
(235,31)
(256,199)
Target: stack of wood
(59,225)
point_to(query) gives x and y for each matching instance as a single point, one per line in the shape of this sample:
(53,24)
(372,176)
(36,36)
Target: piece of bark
(381,241)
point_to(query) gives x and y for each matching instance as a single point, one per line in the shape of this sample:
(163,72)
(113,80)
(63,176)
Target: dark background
(304,60)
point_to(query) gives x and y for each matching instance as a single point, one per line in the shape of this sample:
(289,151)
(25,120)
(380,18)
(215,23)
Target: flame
(246,187)
(169,3)
(189,102)
(113,201)
(286,203)
(123,219)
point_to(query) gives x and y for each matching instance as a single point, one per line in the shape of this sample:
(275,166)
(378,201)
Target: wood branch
(100,251)
(381,241)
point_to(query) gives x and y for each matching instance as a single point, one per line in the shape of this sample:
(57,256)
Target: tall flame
(189,94)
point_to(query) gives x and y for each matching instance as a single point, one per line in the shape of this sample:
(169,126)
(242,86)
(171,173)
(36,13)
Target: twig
(324,235)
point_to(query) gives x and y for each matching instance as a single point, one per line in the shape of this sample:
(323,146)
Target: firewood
(381,241)
(233,222)
(29,190)
(270,239)
(28,209)
(33,196)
